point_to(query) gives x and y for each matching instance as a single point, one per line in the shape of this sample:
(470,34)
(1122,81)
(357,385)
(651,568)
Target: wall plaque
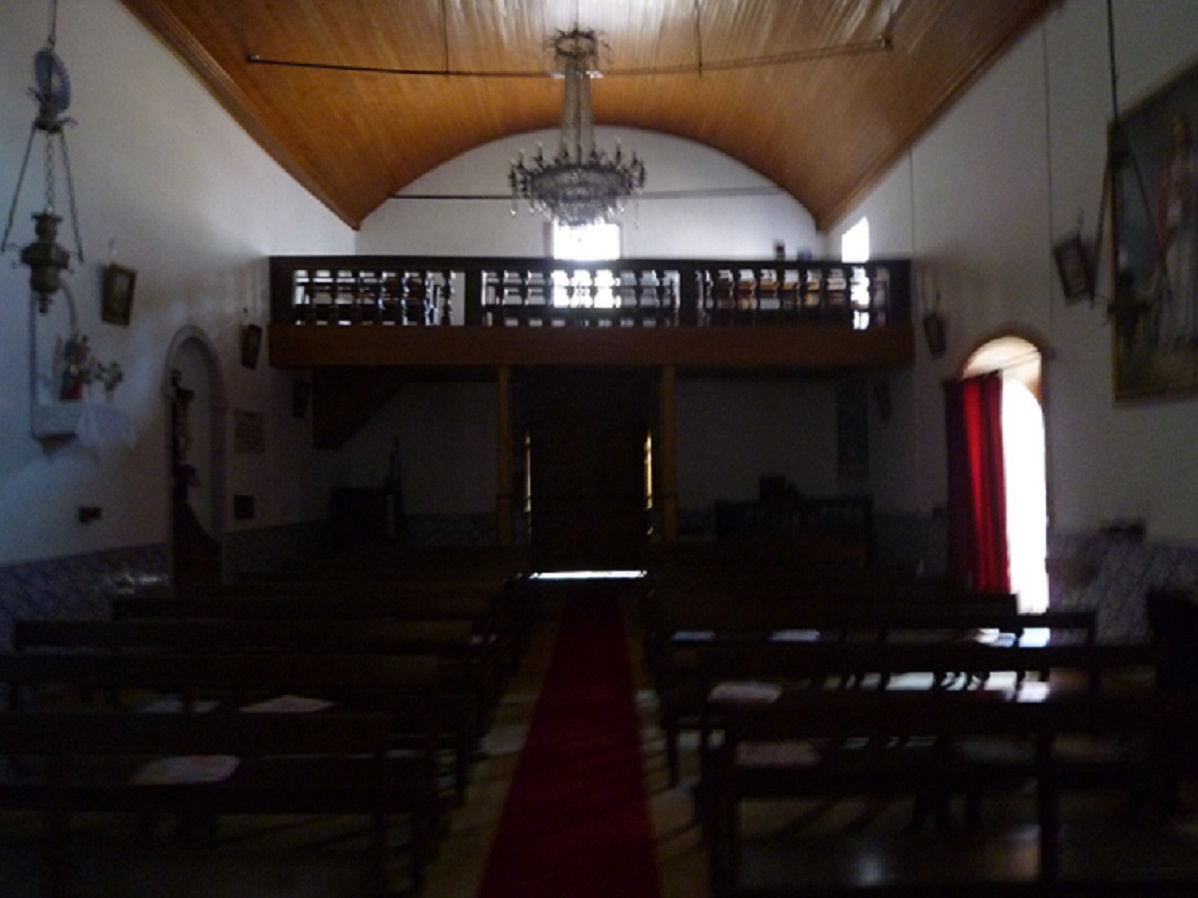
(249,432)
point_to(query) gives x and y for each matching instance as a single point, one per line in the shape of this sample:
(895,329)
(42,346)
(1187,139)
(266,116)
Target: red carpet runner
(576,823)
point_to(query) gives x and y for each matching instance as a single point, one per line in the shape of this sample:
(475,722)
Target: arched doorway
(1020,362)
(195,400)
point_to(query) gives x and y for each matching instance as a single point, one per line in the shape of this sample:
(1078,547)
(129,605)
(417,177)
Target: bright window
(589,243)
(854,250)
(854,243)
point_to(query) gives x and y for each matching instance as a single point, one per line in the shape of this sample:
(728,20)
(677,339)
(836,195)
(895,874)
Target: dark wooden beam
(475,350)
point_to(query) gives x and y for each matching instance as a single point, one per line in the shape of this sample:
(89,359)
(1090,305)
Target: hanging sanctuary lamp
(52,91)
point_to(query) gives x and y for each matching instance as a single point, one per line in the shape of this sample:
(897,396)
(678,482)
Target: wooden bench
(465,655)
(429,722)
(323,601)
(61,764)
(893,745)
(496,604)
(840,651)
(744,609)
(727,674)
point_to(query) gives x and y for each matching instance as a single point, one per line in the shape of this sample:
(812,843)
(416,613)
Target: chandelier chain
(51,190)
(71,202)
(5,246)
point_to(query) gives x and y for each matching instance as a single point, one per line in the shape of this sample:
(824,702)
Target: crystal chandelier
(581,184)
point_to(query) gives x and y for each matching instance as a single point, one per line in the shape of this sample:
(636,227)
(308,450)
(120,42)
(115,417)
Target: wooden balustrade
(538,292)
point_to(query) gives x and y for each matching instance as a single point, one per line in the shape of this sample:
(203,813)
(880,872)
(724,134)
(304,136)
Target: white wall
(169,185)
(660,224)
(447,444)
(979,202)
(732,432)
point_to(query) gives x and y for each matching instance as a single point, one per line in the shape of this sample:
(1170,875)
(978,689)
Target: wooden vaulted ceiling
(358,98)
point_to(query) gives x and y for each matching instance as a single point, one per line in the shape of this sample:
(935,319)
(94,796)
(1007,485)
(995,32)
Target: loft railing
(537,292)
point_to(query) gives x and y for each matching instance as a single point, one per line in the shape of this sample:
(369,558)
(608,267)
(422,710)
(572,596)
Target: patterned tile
(77,586)
(1112,574)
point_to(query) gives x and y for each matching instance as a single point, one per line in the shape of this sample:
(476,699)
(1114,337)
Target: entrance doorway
(586,435)
(1019,361)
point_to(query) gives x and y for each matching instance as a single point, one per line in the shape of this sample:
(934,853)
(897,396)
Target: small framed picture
(1073,265)
(251,345)
(117,304)
(934,333)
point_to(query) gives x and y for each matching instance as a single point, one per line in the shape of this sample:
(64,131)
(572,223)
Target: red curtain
(977,506)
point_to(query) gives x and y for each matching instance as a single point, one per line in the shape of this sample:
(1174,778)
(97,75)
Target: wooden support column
(504,532)
(668,455)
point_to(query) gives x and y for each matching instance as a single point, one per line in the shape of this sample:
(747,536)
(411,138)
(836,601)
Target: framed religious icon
(1154,301)
(1073,267)
(251,345)
(116,306)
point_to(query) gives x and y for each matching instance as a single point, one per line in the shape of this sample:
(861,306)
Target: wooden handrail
(534,291)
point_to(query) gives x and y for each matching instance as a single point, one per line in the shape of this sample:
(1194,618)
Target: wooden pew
(325,602)
(449,638)
(841,652)
(891,745)
(499,605)
(321,601)
(874,622)
(1062,670)
(464,653)
(62,764)
(412,563)
(430,722)
(743,606)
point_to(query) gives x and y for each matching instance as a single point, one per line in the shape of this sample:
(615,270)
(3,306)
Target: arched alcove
(194,395)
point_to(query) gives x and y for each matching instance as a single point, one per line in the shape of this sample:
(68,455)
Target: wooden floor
(259,857)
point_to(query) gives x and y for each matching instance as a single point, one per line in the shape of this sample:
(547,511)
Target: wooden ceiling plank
(823,129)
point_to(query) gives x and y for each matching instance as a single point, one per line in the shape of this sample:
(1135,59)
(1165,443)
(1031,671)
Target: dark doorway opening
(586,432)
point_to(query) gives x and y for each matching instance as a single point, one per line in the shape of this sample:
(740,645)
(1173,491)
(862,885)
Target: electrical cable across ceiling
(883,42)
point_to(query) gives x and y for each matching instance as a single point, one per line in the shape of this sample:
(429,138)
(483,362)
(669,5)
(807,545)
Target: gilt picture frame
(1074,269)
(1153,301)
(116,305)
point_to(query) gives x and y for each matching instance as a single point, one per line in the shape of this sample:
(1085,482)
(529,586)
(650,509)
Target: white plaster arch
(191,346)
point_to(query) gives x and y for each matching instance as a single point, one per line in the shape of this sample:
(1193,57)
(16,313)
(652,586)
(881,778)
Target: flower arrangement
(109,375)
(79,367)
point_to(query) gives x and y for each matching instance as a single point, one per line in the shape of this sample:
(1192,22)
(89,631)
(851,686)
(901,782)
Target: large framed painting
(1154,305)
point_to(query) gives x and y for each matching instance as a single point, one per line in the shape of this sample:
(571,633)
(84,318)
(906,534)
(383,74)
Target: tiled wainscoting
(77,586)
(1111,573)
